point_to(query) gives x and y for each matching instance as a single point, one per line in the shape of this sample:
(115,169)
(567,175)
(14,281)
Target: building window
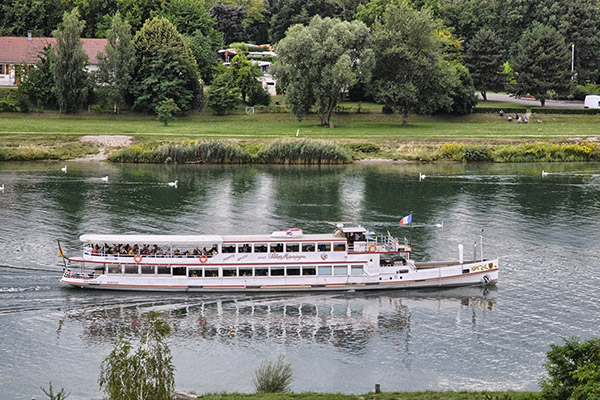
(276,247)
(307,271)
(325,246)
(147,269)
(339,246)
(293,271)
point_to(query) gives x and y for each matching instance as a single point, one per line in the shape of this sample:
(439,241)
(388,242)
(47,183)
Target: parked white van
(591,102)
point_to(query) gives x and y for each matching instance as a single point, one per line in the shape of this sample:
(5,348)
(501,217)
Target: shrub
(222,99)
(574,370)
(580,91)
(303,151)
(165,110)
(259,96)
(453,151)
(477,153)
(273,377)
(584,111)
(496,110)
(365,147)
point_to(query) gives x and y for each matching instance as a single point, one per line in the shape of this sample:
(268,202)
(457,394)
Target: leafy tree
(259,95)
(273,377)
(223,95)
(96,14)
(166,111)
(460,89)
(137,12)
(229,21)
(373,10)
(41,17)
(485,62)
(409,73)
(286,13)
(165,68)
(37,86)
(244,74)
(541,65)
(118,61)
(573,370)
(148,373)
(68,64)
(314,63)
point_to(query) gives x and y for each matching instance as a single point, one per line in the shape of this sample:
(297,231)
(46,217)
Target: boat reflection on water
(346,320)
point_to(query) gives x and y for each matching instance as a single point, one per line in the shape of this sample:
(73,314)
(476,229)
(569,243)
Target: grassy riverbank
(477,137)
(428,395)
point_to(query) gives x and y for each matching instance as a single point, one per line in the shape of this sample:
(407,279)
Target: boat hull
(425,275)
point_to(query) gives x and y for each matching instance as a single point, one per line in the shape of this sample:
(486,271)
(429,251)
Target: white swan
(2,188)
(172,184)
(64,169)
(441,225)
(422,176)
(104,178)
(544,173)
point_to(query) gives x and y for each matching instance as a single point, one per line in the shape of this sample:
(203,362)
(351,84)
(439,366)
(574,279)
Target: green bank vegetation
(271,138)
(427,395)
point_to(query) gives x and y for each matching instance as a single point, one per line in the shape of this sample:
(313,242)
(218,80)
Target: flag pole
(410,239)
(61,254)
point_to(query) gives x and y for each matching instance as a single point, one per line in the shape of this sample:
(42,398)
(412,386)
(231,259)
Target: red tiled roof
(14,50)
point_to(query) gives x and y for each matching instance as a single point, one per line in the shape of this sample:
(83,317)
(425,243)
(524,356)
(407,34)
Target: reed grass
(206,151)
(303,151)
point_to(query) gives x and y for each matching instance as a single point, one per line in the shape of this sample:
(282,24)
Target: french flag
(406,220)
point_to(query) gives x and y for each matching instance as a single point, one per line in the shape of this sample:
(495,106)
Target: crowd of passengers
(146,250)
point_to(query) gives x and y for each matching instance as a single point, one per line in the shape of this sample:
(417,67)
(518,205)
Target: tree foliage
(541,66)
(165,68)
(117,62)
(315,63)
(166,110)
(41,17)
(147,373)
(68,64)
(410,74)
(286,13)
(244,74)
(484,60)
(37,86)
(223,95)
(230,22)
(573,370)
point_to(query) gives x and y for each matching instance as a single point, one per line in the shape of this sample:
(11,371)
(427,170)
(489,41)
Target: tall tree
(244,74)
(117,61)
(286,13)
(409,73)
(485,62)
(542,64)
(165,68)
(38,83)
(68,64)
(41,17)
(229,20)
(316,62)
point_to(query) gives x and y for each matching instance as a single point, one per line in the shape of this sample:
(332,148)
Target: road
(534,102)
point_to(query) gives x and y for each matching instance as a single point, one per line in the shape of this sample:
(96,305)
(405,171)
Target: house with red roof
(17,50)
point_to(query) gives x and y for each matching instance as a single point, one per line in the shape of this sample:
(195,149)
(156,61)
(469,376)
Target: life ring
(203,258)
(137,258)
(372,248)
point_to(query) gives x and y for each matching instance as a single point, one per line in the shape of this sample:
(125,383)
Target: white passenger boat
(351,258)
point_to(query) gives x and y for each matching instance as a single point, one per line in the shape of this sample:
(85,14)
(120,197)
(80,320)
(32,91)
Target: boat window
(357,270)
(324,269)
(261,271)
(276,248)
(292,247)
(339,246)
(307,247)
(340,270)
(114,269)
(229,271)
(309,270)
(260,248)
(163,270)
(147,269)
(293,271)
(245,271)
(244,248)
(131,269)
(277,271)
(178,271)
(211,272)
(325,246)
(229,248)
(195,272)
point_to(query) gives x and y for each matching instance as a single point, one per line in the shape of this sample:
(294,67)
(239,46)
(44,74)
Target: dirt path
(104,141)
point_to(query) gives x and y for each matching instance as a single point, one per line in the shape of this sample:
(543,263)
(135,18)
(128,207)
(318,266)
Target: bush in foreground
(273,376)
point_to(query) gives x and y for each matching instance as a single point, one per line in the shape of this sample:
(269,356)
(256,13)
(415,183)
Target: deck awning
(151,239)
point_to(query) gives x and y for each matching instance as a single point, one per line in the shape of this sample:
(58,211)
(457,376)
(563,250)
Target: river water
(546,231)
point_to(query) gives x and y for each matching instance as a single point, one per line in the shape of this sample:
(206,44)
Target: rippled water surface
(546,232)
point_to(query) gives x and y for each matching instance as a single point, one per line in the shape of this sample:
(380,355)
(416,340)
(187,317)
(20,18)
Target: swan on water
(173,184)
(104,178)
(422,176)
(64,169)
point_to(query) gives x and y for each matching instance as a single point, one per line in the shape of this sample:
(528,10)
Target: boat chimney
(460,254)
(29,35)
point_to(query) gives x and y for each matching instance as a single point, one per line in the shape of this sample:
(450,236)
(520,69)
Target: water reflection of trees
(347,321)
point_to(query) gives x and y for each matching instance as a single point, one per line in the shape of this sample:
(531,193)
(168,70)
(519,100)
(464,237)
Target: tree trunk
(405,117)
(543,102)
